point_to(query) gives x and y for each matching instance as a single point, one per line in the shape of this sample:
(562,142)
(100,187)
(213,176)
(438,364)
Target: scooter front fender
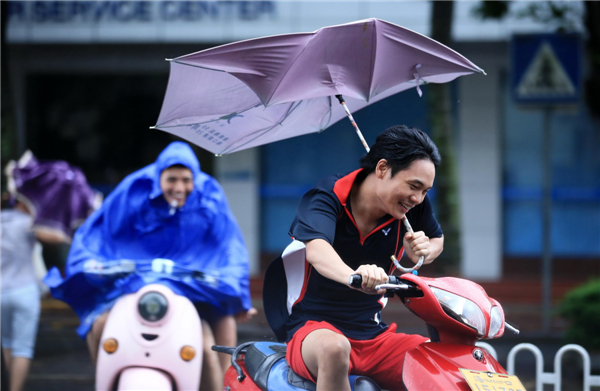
(180,327)
(144,379)
(435,366)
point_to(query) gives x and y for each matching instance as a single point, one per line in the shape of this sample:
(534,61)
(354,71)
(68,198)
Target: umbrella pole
(349,114)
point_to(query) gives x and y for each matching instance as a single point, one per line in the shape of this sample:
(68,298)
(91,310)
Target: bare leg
(18,372)
(212,375)
(225,331)
(327,357)
(7,358)
(95,335)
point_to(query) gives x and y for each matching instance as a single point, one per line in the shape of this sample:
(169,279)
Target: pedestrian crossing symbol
(545,77)
(545,68)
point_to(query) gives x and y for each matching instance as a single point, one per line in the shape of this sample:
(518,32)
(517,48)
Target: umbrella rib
(330,111)
(373,57)
(452,60)
(206,122)
(262,132)
(291,64)
(198,66)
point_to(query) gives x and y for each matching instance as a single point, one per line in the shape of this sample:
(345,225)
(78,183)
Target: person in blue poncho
(168,210)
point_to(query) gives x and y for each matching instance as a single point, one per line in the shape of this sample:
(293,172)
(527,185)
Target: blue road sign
(546,69)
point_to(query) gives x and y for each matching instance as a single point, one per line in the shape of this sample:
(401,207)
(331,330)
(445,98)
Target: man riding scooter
(173,211)
(351,225)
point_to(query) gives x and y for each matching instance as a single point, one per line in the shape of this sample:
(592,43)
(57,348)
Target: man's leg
(225,332)
(212,374)
(94,335)
(326,355)
(376,360)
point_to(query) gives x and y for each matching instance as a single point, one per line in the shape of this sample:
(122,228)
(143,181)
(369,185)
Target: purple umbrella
(56,193)
(254,92)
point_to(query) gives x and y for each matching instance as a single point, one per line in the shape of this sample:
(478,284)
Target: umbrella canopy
(258,91)
(56,193)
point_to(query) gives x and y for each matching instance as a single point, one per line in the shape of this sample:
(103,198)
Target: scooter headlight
(153,306)
(461,309)
(495,322)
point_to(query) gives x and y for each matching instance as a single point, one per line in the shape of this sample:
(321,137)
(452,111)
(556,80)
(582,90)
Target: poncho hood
(176,153)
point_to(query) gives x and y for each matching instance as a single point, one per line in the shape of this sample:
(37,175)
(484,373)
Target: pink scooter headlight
(153,306)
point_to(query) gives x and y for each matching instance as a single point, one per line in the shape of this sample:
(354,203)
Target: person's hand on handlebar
(416,245)
(371,277)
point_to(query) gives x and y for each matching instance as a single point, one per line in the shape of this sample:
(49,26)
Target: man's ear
(381,168)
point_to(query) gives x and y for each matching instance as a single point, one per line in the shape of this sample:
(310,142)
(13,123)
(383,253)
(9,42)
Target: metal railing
(541,377)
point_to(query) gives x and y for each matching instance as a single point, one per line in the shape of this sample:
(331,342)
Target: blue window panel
(524,238)
(576,229)
(279,213)
(575,178)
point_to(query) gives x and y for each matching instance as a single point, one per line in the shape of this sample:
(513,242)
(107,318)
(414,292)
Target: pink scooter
(152,340)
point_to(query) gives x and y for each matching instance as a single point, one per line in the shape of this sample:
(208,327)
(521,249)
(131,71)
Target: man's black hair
(400,145)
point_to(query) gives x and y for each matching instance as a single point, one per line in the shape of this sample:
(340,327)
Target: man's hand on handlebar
(371,277)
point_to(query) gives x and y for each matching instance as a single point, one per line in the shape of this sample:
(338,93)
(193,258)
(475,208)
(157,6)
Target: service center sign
(136,21)
(546,68)
(141,11)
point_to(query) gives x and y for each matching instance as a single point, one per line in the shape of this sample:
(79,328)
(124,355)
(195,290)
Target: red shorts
(380,358)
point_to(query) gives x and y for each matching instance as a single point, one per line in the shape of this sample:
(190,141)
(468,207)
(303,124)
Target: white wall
(239,175)
(480,165)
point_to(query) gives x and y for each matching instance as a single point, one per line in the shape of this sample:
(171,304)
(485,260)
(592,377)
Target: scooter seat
(266,365)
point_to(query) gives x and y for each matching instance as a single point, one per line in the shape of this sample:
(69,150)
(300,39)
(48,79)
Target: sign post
(546,75)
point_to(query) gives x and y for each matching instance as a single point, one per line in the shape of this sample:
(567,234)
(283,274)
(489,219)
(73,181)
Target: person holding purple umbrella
(352,224)
(47,200)
(20,291)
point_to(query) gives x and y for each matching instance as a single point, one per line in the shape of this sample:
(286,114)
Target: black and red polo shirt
(325,213)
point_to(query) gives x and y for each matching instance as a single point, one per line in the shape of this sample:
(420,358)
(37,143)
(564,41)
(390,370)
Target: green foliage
(581,307)
(491,9)
(564,15)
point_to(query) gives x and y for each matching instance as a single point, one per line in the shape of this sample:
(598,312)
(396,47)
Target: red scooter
(457,312)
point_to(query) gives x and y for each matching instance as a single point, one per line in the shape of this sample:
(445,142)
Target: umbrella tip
(168,59)
(152,127)
(218,155)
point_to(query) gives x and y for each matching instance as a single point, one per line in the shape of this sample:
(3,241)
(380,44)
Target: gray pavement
(62,362)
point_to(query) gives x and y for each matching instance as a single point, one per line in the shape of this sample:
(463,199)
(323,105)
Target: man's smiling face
(176,184)
(407,188)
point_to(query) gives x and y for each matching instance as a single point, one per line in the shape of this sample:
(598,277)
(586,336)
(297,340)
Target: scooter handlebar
(511,328)
(421,258)
(356,280)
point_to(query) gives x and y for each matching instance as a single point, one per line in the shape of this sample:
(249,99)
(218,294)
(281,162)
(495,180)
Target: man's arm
(327,262)
(321,255)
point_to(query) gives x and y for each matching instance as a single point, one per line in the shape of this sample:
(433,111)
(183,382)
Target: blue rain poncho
(196,250)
